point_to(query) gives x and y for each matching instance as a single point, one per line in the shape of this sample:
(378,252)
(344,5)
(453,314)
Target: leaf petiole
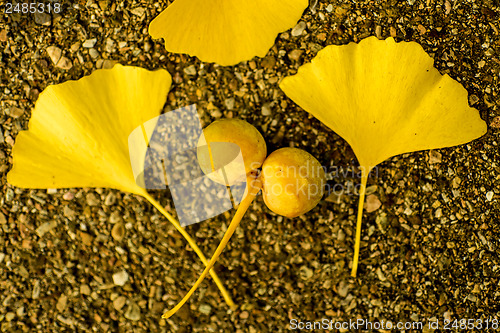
(255,186)
(194,246)
(362,192)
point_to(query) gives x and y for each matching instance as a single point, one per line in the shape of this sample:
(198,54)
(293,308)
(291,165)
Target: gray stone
(54,53)
(299,29)
(120,278)
(191,70)
(133,312)
(90,43)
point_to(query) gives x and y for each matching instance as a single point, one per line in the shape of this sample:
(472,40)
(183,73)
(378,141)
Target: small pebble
(68,196)
(312,6)
(299,29)
(64,63)
(110,45)
(69,213)
(119,302)
(92,199)
(75,46)
(205,309)
(343,289)
(36,290)
(495,123)
(108,64)
(9,316)
(321,36)
(133,312)
(372,203)
(118,231)
(138,11)
(393,32)
(120,278)
(229,102)
(489,52)
(87,239)
(380,274)
(16,112)
(295,54)
(110,199)
(447,7)
(115,217)
(435,157)
(93,53)
(489,196)
(9,195)
(268,62)
(266,110)
(89,43)
(45,227)
(306,273)
(61,303)
(341,235)
(9,140)
(473,99)
(85,289)
(54,53)
(421,29)
(191,70)
(216,113)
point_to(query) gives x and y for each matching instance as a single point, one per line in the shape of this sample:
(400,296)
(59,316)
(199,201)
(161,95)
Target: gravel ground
(430,251)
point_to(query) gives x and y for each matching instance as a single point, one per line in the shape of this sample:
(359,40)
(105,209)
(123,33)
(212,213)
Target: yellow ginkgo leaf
(79,130)
(225,31)
(384,98)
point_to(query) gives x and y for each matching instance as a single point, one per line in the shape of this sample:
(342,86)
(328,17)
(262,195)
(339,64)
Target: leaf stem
(194,246)
(362,192)
(254,187)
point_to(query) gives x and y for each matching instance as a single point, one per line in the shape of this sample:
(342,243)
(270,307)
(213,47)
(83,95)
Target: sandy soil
(430,252)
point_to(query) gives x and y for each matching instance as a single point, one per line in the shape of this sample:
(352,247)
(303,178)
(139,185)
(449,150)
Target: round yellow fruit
(230,149)
(293,182)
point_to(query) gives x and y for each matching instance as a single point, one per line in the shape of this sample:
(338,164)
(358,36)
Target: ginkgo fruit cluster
(292,179)
(286,180)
